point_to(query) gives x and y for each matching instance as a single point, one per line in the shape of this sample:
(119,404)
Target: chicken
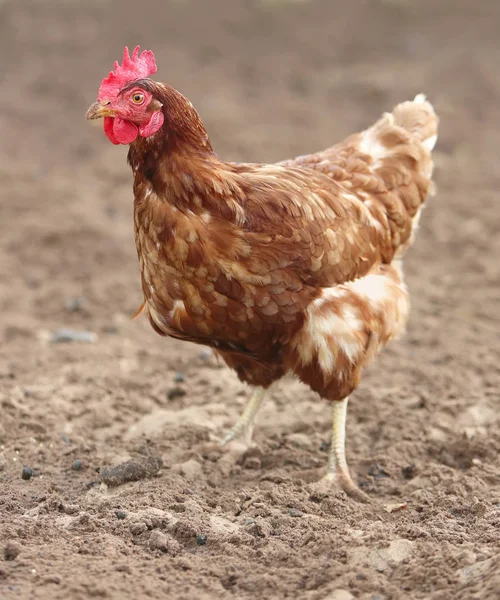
(289,268)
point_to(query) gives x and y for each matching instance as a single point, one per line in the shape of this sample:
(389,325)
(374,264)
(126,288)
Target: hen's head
(128,108)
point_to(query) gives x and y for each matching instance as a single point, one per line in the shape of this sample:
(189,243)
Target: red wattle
(119,131)
(108,130)
(124,131)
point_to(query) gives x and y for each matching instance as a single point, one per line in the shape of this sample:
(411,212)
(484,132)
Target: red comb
(132,68)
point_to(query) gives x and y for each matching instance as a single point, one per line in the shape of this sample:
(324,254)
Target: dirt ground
(271,79)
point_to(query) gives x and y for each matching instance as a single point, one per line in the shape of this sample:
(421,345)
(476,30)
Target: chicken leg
(245,423)
(338,471)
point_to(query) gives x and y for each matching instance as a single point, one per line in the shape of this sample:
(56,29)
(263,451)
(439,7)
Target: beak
(99,110)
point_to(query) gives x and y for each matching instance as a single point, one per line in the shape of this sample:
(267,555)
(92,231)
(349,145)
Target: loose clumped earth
(110,483)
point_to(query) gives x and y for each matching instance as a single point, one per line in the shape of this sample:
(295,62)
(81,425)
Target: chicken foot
(338,471)
(245,424)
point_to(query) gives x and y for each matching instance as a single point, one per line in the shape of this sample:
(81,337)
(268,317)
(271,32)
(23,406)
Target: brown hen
(293,267)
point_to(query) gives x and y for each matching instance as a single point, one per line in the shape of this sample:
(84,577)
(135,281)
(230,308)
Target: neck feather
(180,154)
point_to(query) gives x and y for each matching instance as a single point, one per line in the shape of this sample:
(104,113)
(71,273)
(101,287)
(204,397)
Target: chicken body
(294,267)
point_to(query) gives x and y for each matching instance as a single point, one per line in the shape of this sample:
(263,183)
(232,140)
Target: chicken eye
(137,98)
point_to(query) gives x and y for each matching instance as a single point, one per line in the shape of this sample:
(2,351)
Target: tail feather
(389,135)
(399,147)
(389,166)
(419,119)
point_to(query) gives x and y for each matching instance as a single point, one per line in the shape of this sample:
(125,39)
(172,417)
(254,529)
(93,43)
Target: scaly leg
(338,471)
(245,423)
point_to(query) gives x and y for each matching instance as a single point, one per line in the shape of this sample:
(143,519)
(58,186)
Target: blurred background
(271,79)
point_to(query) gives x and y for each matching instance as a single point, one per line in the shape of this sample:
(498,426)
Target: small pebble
(27,473)
(12,550)
(76,304)
(110,329)
(77,465)
(394,507)
(377,472)
(205,354)
(121,514)
(179,377)
(69,509)
(295,512)
(201,539)
(138,528)
(252,462)
(409,471)
(53,578)
(259,528)
(164,542)
(131,470)
(176,392)
(123,568)
(70,335)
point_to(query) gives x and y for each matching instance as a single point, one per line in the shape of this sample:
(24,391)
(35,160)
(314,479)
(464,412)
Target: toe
(330,484)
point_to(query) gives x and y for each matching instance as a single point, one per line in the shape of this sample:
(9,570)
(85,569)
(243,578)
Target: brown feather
(281,268)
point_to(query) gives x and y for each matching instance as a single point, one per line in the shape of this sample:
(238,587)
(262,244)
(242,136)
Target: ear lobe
(153,125)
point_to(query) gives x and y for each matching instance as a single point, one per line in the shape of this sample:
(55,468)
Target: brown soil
(271,79)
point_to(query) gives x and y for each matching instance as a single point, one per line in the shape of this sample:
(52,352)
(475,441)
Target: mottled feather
(286,267)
